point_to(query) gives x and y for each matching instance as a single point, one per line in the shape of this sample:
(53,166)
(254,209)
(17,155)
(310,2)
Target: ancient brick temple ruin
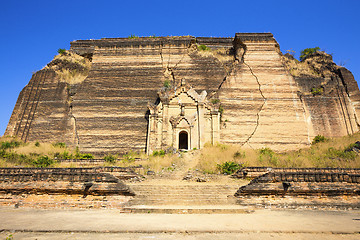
(151,93)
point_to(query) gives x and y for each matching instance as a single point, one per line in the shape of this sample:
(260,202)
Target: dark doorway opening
(183,140)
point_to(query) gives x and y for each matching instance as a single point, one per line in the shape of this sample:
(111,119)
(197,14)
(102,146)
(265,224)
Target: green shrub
(110,158)
(343,154)
(61,51)
(228,167)
(132,36)
(215,101)
(167,84)
(43,161)
(203,48)
(59,144)
(86,156)
(319,138)
(307,51)
(268,156)
(317,91)
(64,155)
(11,144)
(10,237)
(37,144)
(129,157)
(160,153)
(18,158)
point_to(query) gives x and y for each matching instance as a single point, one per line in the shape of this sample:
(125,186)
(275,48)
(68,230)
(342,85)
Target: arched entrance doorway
(183,140)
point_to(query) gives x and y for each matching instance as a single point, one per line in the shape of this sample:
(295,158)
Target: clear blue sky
(32,31)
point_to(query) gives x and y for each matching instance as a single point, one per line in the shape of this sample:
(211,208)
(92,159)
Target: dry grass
(71,76)
(220,54)
(154,163)
(70,67)
(211,156)
(42,149)
(324,154)
(297,68)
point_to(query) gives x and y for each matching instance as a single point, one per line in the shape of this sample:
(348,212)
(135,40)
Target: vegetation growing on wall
(167,84)
(70,67)
(203,47)
(61,51)
(317,91)
(319,138)
(307,51)
(110,158)
(133,36)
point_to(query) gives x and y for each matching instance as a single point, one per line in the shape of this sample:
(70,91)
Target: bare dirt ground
(26,223)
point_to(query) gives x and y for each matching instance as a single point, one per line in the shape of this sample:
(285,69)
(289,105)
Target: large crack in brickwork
(343,106)
(228,72)
(305,114)
(75,128)
(70,99)
(161,55)
(169,70)
(262,105)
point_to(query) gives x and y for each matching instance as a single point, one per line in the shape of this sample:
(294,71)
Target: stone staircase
(184,198)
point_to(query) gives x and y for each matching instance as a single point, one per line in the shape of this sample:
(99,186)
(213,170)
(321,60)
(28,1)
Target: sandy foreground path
(25,223)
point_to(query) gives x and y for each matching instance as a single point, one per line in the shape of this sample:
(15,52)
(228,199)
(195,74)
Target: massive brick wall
(264,105)
(315,182)
(110,106)
(42,110)
(261,106)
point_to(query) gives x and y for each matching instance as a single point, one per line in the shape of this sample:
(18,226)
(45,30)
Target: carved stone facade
(182,119)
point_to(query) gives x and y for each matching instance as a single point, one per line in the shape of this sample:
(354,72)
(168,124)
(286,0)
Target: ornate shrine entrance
(182,119)
(183,140)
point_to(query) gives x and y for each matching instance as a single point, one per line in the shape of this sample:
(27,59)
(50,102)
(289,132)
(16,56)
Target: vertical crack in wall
(161,54)
(70,99)
(305,114)
(343,108)
(168,69)
(75,127)
(228,72)
(261,107)
(349,99)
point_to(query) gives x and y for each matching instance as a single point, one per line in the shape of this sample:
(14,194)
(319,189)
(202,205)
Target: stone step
(186,187)
(183,196)
(181,201)
(193,209)
(229,192)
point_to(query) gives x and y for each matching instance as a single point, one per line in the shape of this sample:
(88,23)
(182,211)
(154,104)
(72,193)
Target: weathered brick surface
(252,172)
(304,183)
(264,105)
(89,181)
(63,201)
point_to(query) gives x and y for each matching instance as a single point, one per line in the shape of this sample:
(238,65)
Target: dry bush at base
(42,149)
(323,154)
(168,162)
(211,156)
